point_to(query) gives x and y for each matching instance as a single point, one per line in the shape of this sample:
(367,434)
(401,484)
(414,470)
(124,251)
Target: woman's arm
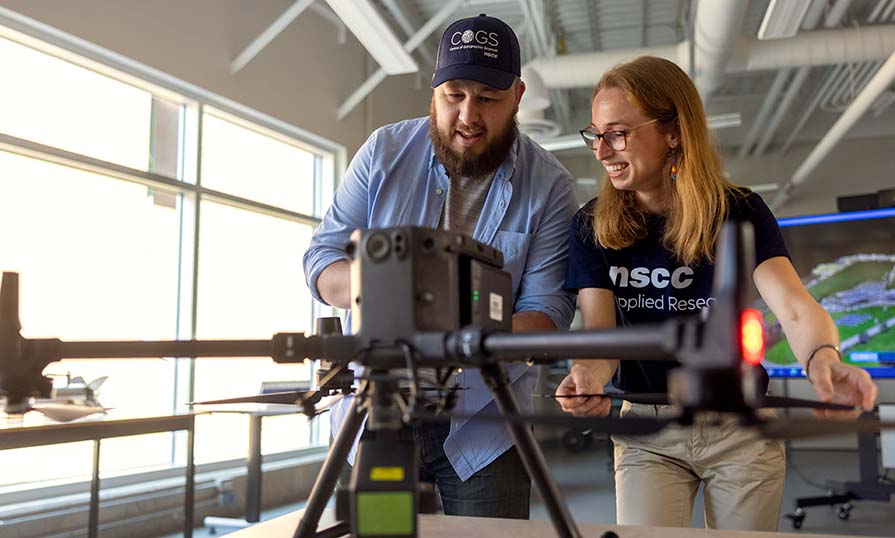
(808,327)
(589,376)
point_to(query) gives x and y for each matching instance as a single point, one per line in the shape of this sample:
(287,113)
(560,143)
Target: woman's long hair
(697,199)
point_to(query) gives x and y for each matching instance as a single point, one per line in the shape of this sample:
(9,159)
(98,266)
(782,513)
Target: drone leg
(495,376)
(329,473)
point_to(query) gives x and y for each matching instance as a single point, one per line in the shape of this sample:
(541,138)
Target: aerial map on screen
(847,262)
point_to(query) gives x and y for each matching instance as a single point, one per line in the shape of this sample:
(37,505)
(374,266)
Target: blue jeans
(502,489)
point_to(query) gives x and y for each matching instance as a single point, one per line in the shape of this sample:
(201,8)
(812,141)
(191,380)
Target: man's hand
(584,379)
(837,382)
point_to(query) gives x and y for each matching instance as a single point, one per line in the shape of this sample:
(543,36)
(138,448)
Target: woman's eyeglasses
(617,140)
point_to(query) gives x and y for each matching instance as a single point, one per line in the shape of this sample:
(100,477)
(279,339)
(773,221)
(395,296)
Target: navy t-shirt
(650,285)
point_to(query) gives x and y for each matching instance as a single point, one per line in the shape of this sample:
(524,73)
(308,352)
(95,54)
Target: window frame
(330,162)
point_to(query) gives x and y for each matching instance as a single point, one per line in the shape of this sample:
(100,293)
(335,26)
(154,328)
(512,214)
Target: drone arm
(646,342)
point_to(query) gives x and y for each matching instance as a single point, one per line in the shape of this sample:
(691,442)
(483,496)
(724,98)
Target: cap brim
(495,78)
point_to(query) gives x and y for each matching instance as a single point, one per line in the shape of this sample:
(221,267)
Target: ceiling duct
(820,47)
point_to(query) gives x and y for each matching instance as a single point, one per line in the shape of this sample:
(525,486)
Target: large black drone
(424,298)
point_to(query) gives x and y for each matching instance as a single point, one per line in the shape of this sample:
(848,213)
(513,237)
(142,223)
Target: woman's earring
(673,167)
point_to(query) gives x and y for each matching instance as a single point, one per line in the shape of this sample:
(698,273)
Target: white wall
(301,77)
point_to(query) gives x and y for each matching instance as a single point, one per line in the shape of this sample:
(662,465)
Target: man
(464,168)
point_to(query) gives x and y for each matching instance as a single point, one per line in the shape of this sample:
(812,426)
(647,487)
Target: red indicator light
(752,336)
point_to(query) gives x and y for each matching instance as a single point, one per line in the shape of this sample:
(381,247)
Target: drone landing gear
(385,484)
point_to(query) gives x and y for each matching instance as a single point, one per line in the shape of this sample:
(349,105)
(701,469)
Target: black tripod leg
(329,473)
(496,378)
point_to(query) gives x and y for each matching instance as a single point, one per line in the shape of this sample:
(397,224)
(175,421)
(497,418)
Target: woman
(642,252)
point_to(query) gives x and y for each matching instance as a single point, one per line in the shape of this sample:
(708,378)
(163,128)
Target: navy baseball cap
(483,49)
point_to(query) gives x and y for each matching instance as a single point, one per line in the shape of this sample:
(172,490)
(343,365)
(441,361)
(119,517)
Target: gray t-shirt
(466,197)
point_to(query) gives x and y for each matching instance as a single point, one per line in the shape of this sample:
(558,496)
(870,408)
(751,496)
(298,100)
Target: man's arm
(541,288)
(333,284)
(532,321)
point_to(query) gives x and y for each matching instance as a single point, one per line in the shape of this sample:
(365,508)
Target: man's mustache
(473,128)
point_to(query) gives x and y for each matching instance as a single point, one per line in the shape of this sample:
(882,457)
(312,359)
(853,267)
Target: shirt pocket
(514,246)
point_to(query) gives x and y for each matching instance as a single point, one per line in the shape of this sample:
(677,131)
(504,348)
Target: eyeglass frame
(600,136)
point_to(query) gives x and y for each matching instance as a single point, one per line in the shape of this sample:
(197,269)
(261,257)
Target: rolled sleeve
(545,268)
(347,213)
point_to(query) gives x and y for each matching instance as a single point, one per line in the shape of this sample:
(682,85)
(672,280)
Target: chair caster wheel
(797,518)
(844,512)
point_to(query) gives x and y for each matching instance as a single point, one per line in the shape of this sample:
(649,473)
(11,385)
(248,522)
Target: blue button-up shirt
(395,180)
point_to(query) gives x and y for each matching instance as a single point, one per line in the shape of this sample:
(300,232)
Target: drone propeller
(292,397)
(309,402)
(610,425)
(659,398)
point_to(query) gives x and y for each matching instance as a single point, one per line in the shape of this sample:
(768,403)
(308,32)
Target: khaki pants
(657,476)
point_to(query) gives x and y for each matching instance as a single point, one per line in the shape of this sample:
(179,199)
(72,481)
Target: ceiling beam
(269,34)
(408,23)
(876,87)
(412,43)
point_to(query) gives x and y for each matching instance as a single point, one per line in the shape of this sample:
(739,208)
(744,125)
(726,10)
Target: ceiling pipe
(836,76)
(717,24)
(820,47)
(878,85)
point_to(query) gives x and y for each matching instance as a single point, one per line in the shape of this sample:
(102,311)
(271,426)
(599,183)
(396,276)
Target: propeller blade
(621,426)
(785,402)
(807,428)
(649,398)
(659,398)
(292,397)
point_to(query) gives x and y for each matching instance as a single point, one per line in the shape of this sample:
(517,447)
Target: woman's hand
(837,382)
(584,379)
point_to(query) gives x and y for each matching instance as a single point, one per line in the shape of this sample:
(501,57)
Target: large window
(137,207)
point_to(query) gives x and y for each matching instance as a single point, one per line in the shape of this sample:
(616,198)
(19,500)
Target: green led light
(475,295)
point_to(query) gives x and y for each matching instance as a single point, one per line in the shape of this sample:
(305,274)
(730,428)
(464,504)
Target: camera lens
(378,246)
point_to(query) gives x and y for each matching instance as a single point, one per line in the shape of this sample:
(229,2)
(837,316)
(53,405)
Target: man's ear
(519,91)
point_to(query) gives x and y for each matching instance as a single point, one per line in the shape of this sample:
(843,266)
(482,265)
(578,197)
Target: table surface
(438,526)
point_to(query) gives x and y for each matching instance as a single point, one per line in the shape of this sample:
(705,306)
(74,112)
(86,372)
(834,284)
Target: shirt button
(439,191)
(500,205)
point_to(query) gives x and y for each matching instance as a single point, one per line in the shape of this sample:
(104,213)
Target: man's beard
(466,163)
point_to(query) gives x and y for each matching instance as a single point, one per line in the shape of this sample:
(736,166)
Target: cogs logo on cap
(480,37)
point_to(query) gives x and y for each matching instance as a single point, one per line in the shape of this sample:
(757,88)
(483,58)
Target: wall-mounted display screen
(847,262)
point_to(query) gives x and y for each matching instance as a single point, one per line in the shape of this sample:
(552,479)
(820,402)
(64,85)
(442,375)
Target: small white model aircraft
(77,399)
